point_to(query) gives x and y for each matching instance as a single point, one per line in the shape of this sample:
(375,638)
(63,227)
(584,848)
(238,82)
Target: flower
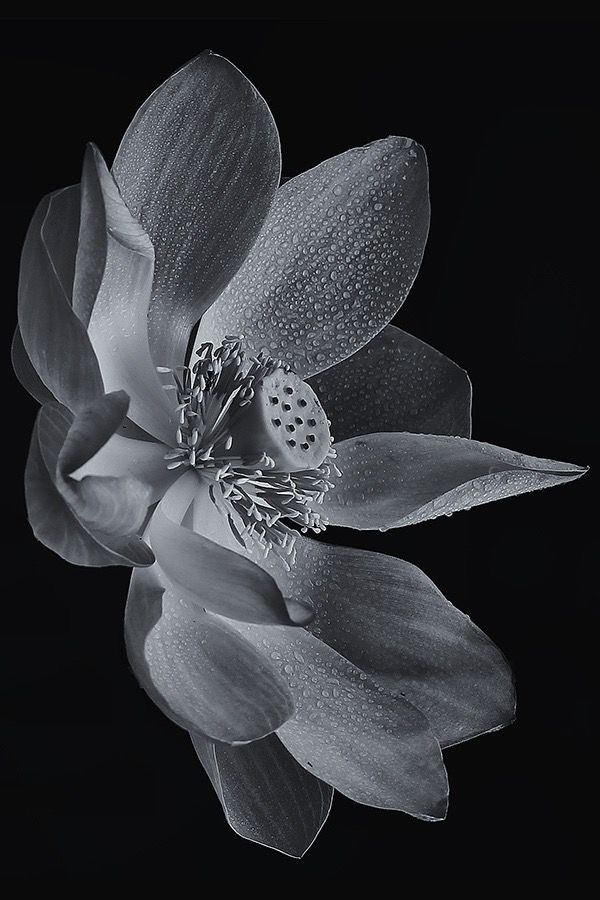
(296,666)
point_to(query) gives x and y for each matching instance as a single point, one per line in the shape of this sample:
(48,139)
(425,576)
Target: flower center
(259,434)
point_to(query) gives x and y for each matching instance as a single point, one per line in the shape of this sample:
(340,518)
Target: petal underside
(267,797)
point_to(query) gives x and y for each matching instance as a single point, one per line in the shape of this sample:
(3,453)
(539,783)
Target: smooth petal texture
(54,338)
(122,456)
(206,573)
(266,796)
(198,671)
(388,617)
(335,260)
(118,324)
(26,374)
(395,383)
(56,526)
(373,747)
(199,166)
(390,480)
(60,234)
(92,521)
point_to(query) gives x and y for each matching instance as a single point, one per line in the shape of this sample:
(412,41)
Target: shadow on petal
(93,521)
(202,674)
(267,797)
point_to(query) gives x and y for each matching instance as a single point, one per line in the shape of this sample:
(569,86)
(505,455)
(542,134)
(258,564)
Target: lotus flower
(202,455)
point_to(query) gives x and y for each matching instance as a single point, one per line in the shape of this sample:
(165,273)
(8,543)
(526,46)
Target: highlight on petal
(372,746)
(390,480)
(26,374)
(55,340)
(267,797)
(115,262)
(207,574)
(93,521)
(389,618)
(128,456)
(199,166)
(197,669)
(335,260)
(395,383)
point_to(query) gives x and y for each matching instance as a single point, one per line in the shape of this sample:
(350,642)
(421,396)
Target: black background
(97,783)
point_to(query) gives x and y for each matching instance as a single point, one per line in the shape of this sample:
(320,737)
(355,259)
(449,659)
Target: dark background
(97,782)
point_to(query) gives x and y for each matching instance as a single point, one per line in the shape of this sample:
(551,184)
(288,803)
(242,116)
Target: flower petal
(390,480)
(388,617)
(122,456)
(395,383)
(118,325)
(89,522)
(375,748)
(60,234)
(205,573)
(54,338)
(350,732)
(199,166)
(198,671)
(26,374)
(266,796)
(335,260)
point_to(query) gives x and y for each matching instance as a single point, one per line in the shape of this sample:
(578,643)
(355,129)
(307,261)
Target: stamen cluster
(255,497)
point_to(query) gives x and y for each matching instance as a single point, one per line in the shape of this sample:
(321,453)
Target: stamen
(258,490)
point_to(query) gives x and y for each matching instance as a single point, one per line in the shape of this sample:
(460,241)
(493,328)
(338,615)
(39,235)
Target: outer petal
(395,383)
(335,260)
(118,324)
(205,573)
(201,674)
(375,748)
(54,338)
(389,480)
(266,796)
(60,234)
(90,522)
(25,372)
(199,166)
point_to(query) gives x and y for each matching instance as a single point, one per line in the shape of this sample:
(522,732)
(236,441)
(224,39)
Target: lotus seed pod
(284,420)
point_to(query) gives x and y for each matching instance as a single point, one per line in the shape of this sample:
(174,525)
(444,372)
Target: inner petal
(258,435)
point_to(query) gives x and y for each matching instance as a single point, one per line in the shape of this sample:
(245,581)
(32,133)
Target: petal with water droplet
(197,669)
(395,383)
(267,797)
(390,480)
(335,259)
(347,730)
(199,166)
(387,616)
